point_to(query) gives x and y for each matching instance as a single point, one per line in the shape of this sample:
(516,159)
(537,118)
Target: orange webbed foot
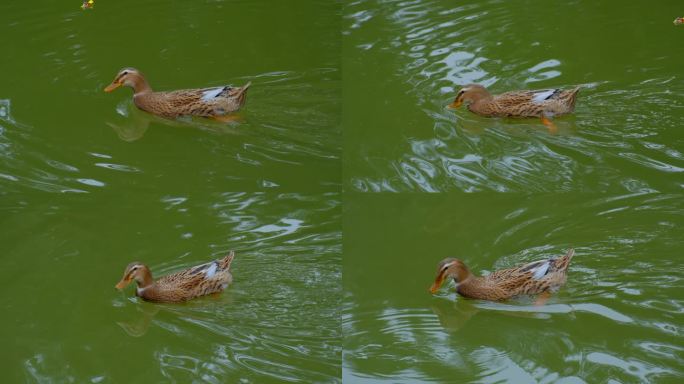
(542,298)
(549,123)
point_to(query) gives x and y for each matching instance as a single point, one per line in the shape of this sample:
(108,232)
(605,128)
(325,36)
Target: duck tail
(573,96)
(226,261)
(562,263)
(244,88)
(241,93)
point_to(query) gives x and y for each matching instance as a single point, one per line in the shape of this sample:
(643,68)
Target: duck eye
(124,73)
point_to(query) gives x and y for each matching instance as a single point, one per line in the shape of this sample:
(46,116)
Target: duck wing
(534,270)
(536,96)
(195,276)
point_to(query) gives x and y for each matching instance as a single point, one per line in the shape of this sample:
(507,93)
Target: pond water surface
(88,184)
(404,61)
(340,185)
(618,319)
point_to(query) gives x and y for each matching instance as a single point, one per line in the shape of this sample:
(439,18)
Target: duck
(204,279)
(215,102)
(541,277)
(542,103)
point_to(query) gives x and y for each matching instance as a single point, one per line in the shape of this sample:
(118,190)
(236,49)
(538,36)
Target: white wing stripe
(211,271)
(211,93)
(540,271)
(543,95)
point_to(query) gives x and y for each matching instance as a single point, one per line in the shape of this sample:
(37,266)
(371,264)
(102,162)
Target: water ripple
(254,327)
(621,137)
(615,319)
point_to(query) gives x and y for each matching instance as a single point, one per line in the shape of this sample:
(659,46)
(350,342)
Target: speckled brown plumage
(197,281)
(529,279)
(204,102)
(542,103)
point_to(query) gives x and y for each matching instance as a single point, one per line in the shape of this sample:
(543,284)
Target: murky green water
(618,319)
(88,184)
(624,137)
(65,322)
(70,135)
(331,275)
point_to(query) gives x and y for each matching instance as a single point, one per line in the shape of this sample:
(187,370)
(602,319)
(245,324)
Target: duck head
(129,77)
(447,268)
(470,93)
(138,272)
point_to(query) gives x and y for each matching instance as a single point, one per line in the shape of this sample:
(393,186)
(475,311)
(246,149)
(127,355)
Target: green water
(65,322)
(89,184)
(618,318)
(68,129)
(340,185)
(609,184)
(624,137)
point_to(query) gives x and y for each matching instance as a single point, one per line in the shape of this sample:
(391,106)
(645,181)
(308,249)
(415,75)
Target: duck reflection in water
(453,316)
(138,327)
(137,122)
(138,323)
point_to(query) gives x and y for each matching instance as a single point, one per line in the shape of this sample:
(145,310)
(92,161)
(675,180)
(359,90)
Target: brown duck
(197,281)
(538,277)
(217,102)
(542,103)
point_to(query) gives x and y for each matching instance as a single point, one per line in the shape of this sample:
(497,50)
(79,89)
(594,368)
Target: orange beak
(112,86)
(455,104)
(438,283)
(123,283)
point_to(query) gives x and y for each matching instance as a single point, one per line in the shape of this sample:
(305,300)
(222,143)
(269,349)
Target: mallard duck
(214,102)
(538,277)
(543,103)
(197,281)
